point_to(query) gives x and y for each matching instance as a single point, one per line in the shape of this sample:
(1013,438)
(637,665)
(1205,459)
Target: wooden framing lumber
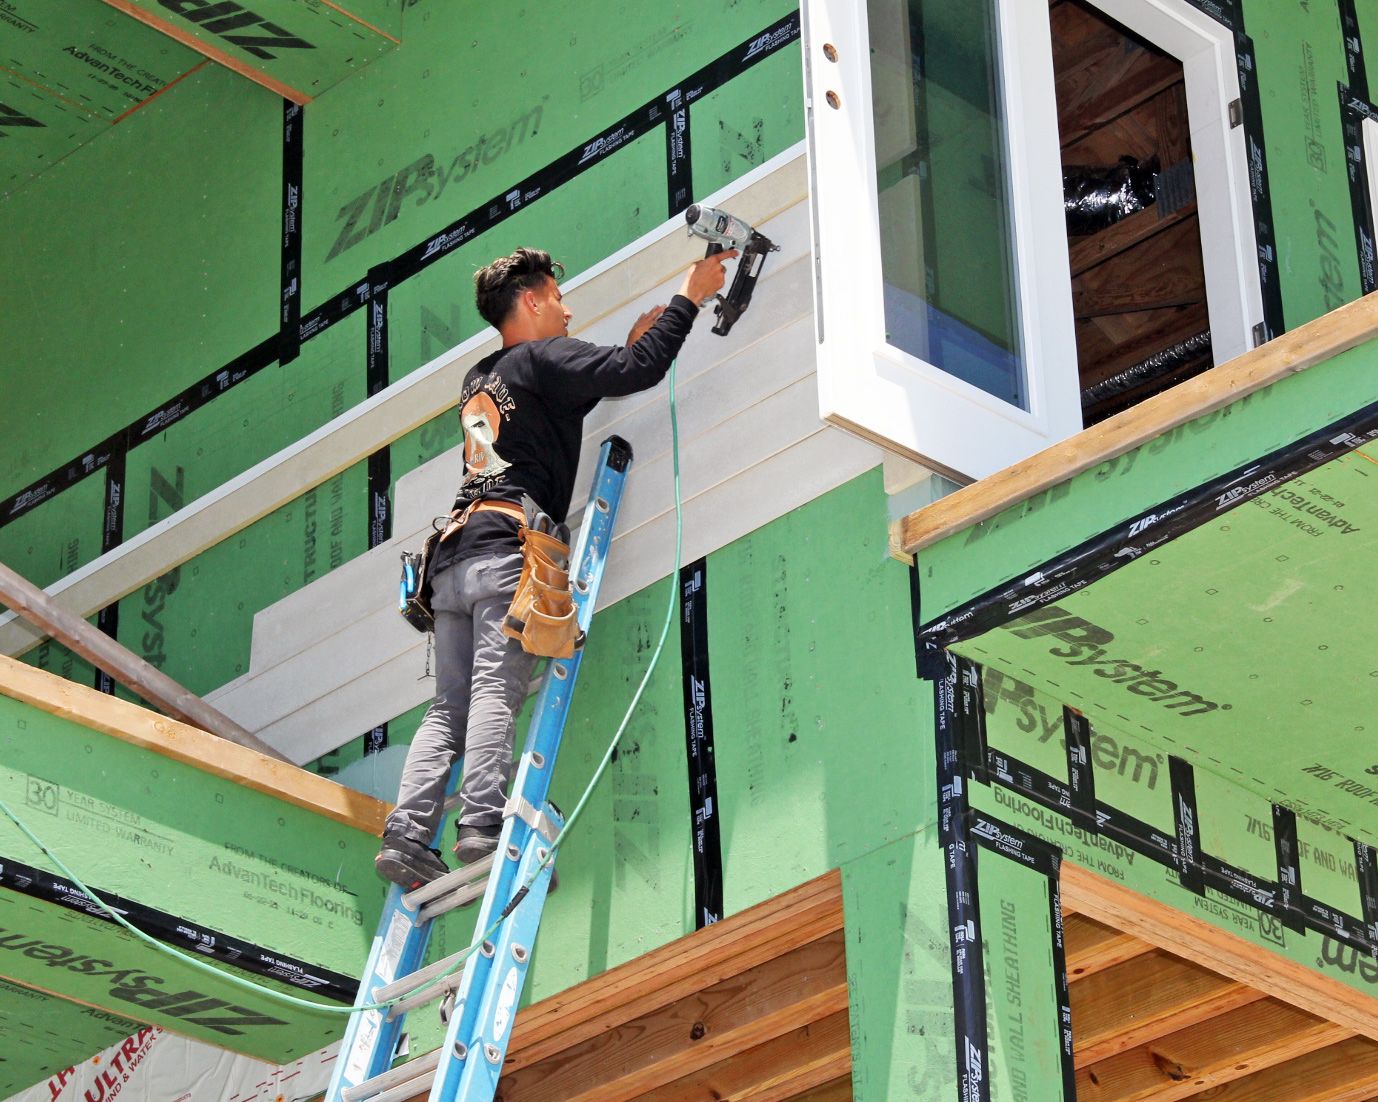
(1093,947)
(120,662)
(1205,944)
(622,994)
(182,742)
(752,1008)
(1181,1065)
(1289,354)
(1142,1000)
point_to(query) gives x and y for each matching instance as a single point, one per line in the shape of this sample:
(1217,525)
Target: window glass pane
(947,243)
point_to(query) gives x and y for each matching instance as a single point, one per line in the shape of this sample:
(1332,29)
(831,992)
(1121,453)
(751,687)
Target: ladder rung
(391,1081)
(449,882)
(444,987)
(456,899)
(412,980)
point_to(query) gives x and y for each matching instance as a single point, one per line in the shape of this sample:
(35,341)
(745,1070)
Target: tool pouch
(542,614)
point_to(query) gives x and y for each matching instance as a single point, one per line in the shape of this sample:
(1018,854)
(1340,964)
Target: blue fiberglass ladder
(465,1068)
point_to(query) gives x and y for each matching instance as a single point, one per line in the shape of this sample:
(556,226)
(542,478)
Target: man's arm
(587,372)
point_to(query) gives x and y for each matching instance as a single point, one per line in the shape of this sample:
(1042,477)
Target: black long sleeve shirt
(522,410)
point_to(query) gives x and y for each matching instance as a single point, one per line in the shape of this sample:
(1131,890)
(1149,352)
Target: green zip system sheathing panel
(823,758)
(1022,1026)
(398,152)
(1300,54)
(69,70)
(42,1032)
(899,975)
(113,318)
(1227,643)
(171,838)
(299,48)
(1029,534)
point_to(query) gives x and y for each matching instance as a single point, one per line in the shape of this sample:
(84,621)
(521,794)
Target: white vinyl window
(943,284)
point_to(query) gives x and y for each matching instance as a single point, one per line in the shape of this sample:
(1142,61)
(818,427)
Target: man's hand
(644,322)
(705,277)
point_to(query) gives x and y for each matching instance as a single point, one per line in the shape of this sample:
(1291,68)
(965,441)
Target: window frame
(912,407)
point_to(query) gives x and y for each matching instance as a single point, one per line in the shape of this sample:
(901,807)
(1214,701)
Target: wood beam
(1147,998)
(1093,947)
(1219,950)
(180,742)
(120,662)
(1293,352)
(810,1057)
(704,1028)
(1346,1072)
(1183,1064)
(660,979)
(1087,252)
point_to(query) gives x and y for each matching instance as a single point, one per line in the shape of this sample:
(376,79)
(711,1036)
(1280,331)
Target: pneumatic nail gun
(723,231)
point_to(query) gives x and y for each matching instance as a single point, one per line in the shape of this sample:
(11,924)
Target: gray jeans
(480,681)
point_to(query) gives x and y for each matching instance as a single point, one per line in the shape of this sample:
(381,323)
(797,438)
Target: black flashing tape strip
(679,172)
(1354,47)
(112,534)
(730,64)
(69,474)
(380,462)
(242,367)
(1354,109)
(293,149)
(1013,773)
(1188,824)
(1104,554)
(1366,872)
(1045,858)
(376,739)
(1333,922)
(1222,11)
(970,727)
(1050,793)
(1018,845)
(963,910)
(1061,984)
(179,932)
(698,736)
(1235,883)
(1288,850)
(1081,780)
(1265,238)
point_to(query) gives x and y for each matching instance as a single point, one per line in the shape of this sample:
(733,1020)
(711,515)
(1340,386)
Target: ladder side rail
(497,1004)
(399,947)
(532,782)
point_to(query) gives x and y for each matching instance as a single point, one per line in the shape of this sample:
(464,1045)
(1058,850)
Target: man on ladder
(522,410)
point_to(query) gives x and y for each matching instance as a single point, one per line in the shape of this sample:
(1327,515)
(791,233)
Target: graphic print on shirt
(481,415)
(482,425)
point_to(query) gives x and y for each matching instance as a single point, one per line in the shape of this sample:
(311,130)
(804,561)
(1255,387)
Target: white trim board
(653,259)
(367,671)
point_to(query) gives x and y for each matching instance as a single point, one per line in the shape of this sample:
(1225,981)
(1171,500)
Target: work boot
(408,863)
(476,842)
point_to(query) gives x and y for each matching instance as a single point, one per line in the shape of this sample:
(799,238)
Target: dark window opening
(1138,282)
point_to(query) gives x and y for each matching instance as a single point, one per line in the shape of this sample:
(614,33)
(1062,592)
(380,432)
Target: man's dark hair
(497,286)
